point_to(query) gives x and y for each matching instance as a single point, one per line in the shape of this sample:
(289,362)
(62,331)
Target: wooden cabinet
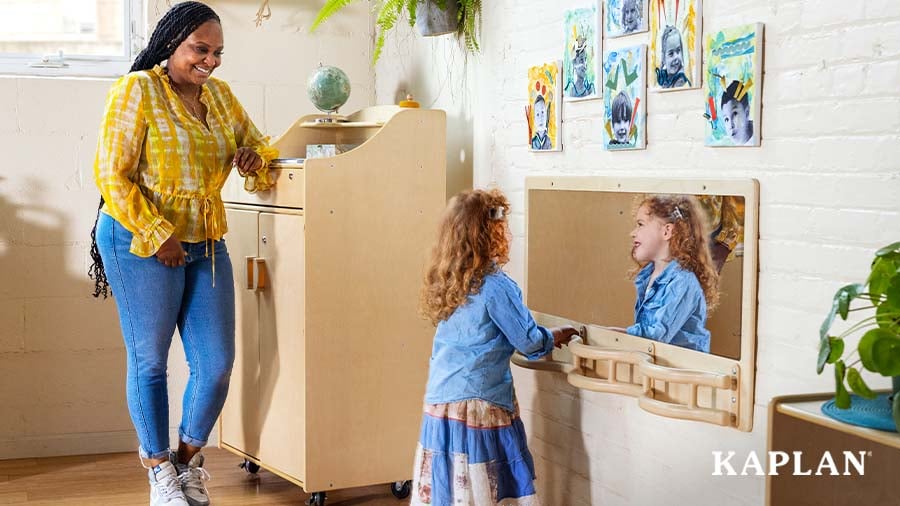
(797,424)
(331,354)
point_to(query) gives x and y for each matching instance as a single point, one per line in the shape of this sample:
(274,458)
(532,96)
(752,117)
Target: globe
(328,88)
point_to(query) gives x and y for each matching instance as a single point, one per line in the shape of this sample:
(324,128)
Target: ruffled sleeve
(247,135)
(115,167)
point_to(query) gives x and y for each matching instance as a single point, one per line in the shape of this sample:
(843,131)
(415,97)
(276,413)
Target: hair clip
(497,213)
(677,213)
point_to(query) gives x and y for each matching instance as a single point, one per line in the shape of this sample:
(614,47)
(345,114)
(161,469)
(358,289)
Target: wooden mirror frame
(667,380)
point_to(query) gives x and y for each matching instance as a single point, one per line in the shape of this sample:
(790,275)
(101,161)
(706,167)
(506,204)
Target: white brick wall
(829,171)
(61,356)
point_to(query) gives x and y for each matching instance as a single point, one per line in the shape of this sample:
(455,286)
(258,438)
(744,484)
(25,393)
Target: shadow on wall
(451,94)
(60,350)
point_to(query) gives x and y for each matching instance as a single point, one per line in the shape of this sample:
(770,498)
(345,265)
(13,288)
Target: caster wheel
(401,489)
(250,467)
(316,499)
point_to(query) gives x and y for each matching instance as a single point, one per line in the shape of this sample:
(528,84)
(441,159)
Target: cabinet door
(282,344)
(240,422)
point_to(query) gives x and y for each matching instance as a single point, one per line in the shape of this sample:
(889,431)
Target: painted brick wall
(829,171)
(61,356)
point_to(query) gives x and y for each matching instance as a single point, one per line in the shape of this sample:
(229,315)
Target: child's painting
(733,85)
(675,44)
(625,17)
(543,109)
(580,61)
(624,98)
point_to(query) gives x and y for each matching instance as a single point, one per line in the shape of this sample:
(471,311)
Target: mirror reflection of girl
(676,281)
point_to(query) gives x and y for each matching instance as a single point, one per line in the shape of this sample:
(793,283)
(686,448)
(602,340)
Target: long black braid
(176,25)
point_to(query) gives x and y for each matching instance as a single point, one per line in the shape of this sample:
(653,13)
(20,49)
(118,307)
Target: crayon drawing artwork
(624,98)
(733,85)
(625,17)
(543,109)
(580,61)
(675,28)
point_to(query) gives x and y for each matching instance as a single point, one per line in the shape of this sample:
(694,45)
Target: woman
(169,138)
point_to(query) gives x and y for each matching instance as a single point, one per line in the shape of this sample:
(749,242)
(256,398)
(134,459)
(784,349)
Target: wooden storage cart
(332,357)
(797,424)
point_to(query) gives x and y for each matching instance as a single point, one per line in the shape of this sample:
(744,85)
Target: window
(69,37)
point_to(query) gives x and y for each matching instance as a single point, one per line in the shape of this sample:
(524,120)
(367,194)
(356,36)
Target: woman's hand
(171,254)
(247,161)
(562,335)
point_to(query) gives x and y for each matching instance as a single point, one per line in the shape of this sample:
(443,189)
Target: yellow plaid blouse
(726,219)
(160,170)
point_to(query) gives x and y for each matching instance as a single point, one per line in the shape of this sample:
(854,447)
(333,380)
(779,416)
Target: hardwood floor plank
(119,480)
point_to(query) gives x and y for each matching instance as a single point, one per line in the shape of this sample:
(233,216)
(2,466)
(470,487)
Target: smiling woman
(169,139)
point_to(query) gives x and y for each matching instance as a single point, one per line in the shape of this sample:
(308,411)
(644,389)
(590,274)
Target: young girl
(676,282)
(472,448)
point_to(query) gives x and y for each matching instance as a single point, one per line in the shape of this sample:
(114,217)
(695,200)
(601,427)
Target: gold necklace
(190,104)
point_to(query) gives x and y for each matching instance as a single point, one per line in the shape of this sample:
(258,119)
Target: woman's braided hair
(176,25)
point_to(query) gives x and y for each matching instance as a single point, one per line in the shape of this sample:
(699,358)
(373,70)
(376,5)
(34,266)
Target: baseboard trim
(59,445)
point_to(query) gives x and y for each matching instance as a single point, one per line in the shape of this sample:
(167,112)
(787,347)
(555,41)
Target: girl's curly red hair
(472,242)
(689,244)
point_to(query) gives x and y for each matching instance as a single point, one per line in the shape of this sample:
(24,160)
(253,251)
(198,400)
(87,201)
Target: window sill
(75,68)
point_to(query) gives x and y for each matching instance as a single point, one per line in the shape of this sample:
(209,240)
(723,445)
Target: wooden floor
(119,480)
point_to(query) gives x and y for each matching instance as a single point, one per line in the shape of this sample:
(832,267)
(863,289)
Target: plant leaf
(887,250)
(830,350)
(841,397)
(330,8)
(411,9)
(845,295)
(866,346)
(893,293)
(858,385)
(824,354)
(886,355)
(888,318)
(883,271)
(837,349)
(829,319)
(387,17)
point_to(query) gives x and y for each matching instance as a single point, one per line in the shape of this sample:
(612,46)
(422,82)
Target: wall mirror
(588,244)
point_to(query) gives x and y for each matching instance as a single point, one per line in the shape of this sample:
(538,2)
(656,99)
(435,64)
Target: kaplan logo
(854,464)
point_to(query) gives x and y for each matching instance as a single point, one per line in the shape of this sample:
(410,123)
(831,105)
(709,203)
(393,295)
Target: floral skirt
(472,453)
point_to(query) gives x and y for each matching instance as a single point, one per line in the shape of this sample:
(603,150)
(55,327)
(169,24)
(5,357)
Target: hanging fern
(329,9)
(389,12)
(387,17)
(470,23)
(411,9)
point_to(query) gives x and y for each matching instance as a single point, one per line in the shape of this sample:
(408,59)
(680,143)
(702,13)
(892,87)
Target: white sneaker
(191,476)
(165,488)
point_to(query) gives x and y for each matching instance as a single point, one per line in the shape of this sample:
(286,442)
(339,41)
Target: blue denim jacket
(673,311)
(472,348)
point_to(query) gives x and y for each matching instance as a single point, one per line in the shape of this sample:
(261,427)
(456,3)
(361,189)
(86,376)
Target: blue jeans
(152,300)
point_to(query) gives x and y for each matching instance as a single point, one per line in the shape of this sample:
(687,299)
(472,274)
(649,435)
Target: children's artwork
(543,109)
(580,69)
(733,86)
(624,98)
(675,44)
(625,17)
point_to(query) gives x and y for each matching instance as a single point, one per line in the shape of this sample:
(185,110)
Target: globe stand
(332,117)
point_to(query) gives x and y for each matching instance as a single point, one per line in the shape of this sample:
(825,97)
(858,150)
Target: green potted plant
(435,17)
(878,350)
